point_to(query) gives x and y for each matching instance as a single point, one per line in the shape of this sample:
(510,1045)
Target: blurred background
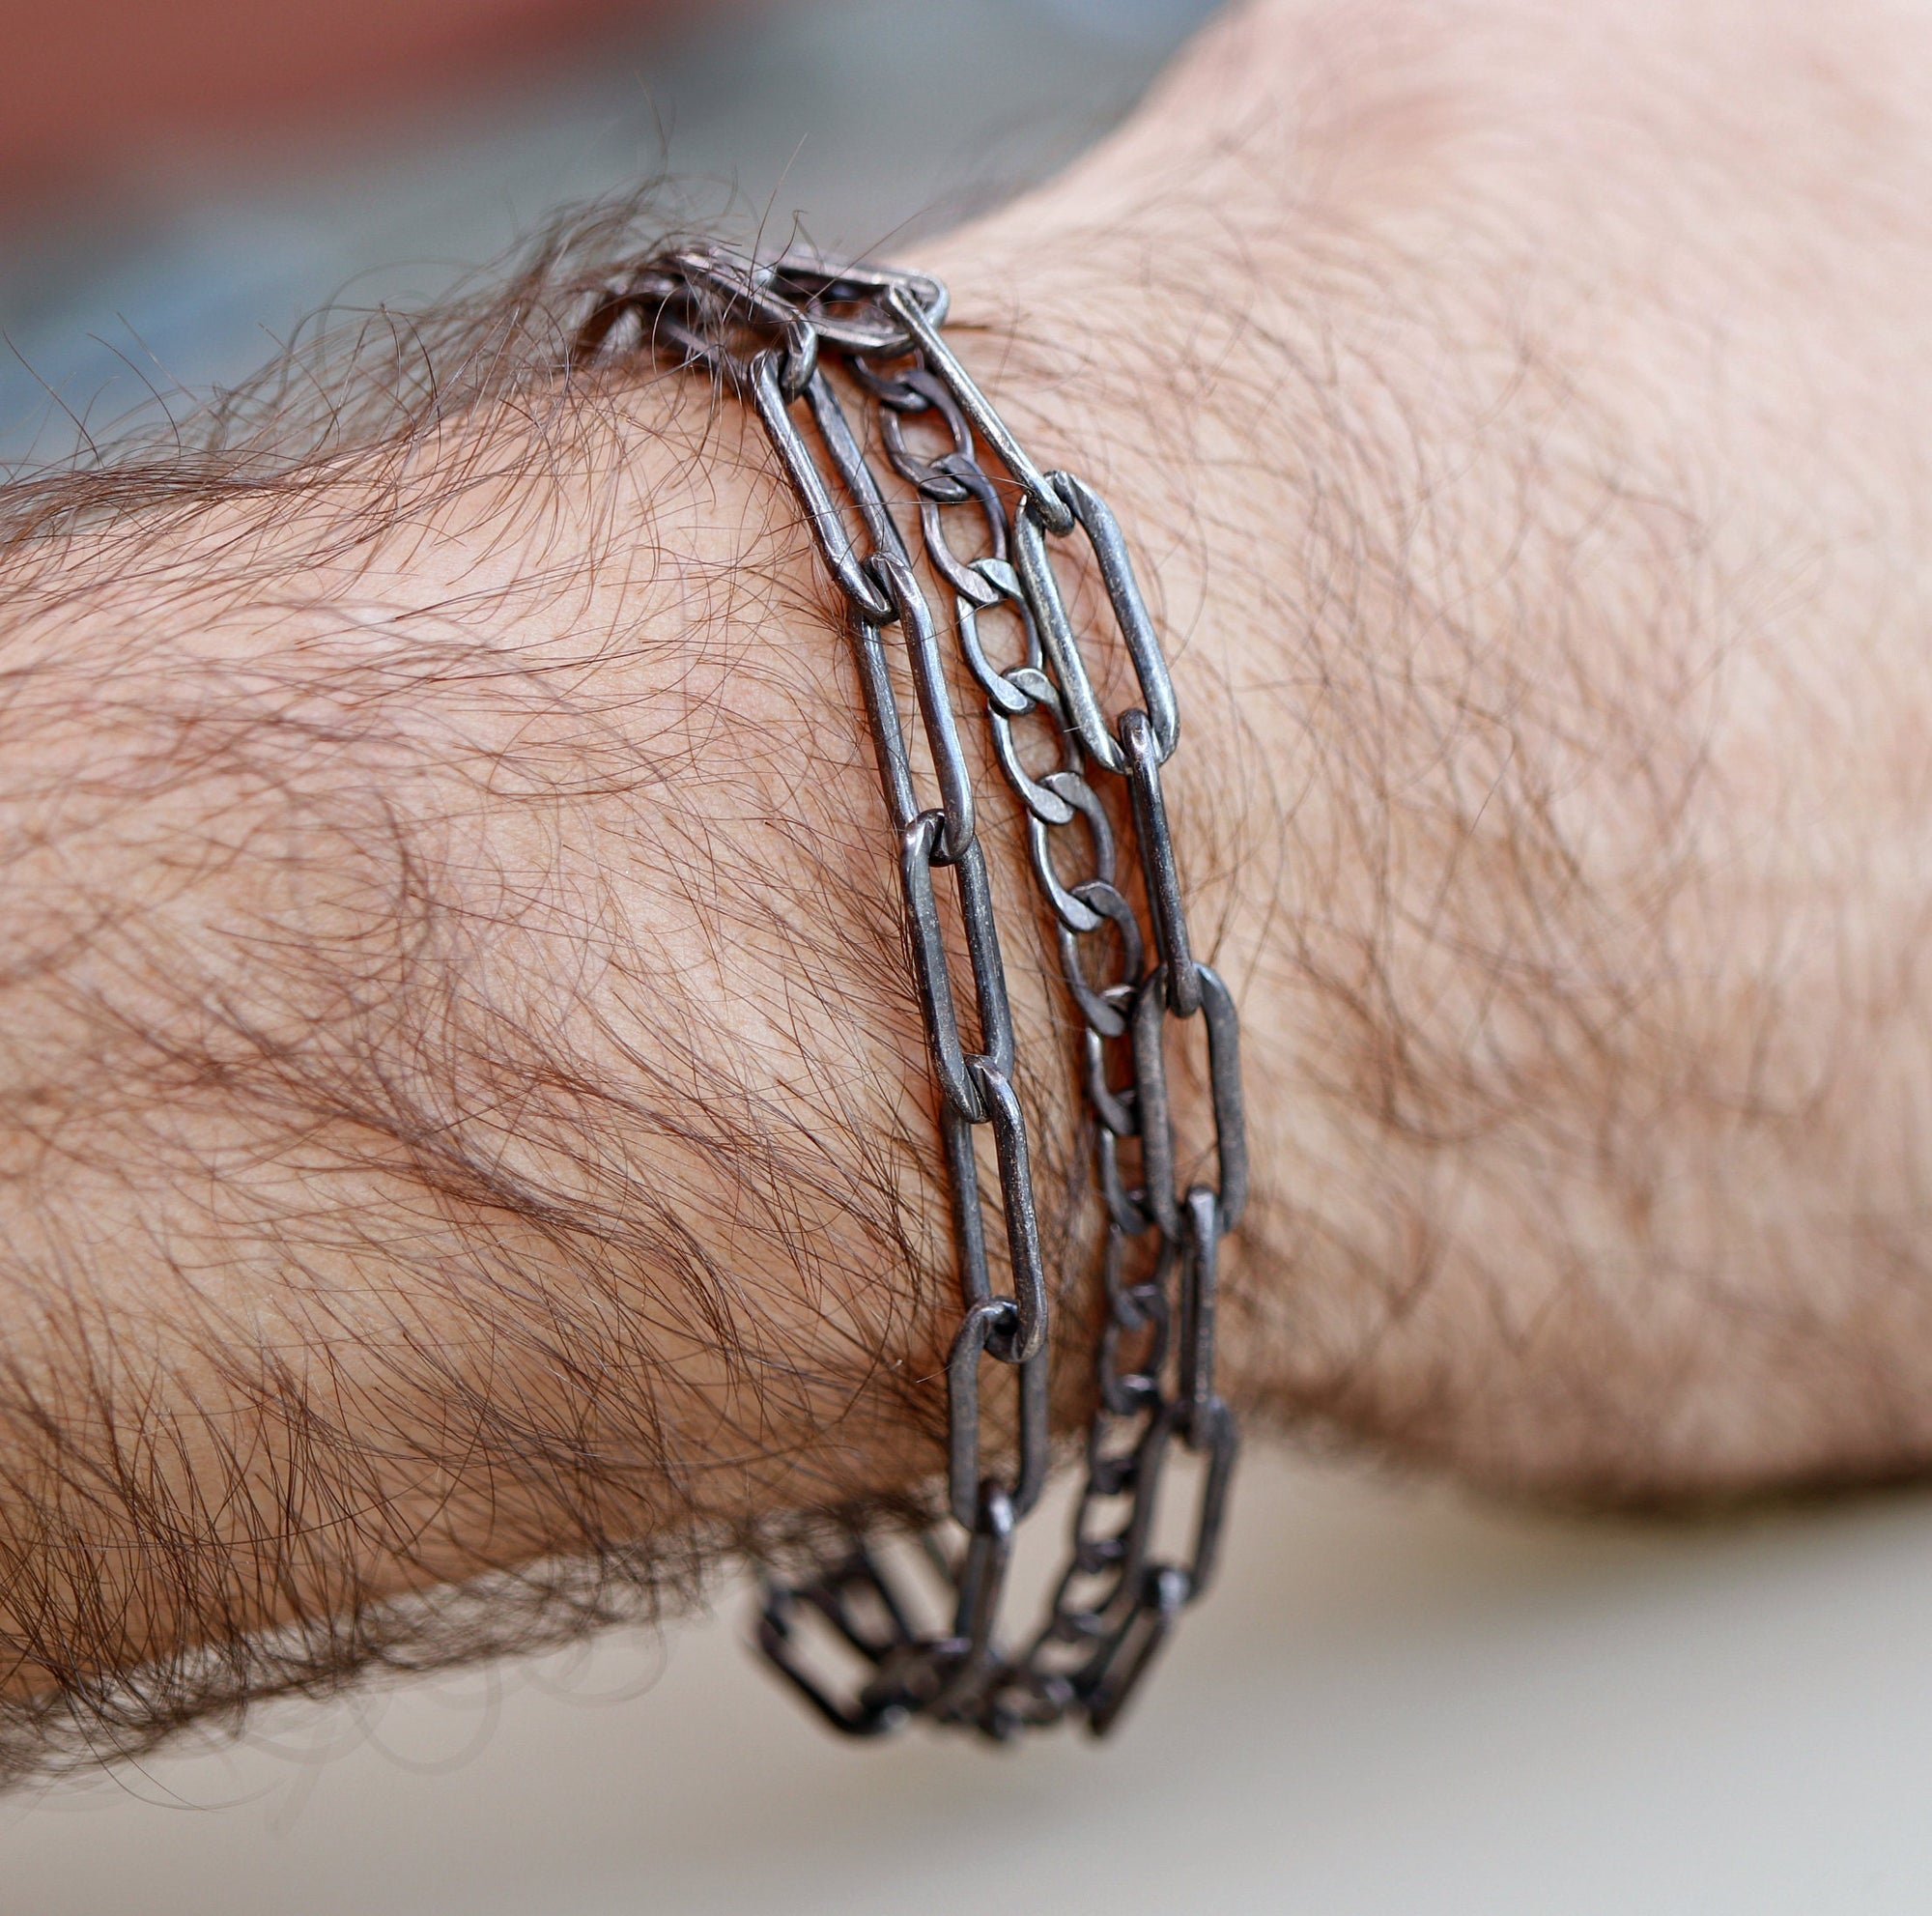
(1396,1701)
(219,169)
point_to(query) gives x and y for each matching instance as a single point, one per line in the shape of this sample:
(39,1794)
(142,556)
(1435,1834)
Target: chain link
(775,333)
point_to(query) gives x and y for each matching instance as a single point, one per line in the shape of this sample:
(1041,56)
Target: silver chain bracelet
(773,334)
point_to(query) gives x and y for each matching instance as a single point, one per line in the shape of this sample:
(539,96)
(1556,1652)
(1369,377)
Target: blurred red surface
(91,90)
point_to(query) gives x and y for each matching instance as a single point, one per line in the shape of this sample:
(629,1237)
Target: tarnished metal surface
(776,333)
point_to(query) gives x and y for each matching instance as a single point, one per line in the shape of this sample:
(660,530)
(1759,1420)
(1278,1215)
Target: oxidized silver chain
(774,333)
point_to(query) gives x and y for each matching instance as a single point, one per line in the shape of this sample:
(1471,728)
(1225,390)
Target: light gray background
(1396,1704)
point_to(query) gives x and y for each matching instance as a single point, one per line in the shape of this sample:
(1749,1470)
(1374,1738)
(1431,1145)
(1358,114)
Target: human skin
(467,1112)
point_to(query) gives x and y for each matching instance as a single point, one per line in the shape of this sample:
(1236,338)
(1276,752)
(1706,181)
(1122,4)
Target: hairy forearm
(468,1117)
(456,1032)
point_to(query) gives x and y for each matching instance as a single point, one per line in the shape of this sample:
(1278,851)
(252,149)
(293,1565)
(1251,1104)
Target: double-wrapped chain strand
(774,332)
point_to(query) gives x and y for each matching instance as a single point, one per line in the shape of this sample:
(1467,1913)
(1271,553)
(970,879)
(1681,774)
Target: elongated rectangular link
(918,857)
(1224,1079)
(935,701)
(1158,870)
(978,1336)
(1048,606)
(1053,511)
(882,719)
(835,542)
(976,1610)
(1096,520)
(849,462)
(1142,1637)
